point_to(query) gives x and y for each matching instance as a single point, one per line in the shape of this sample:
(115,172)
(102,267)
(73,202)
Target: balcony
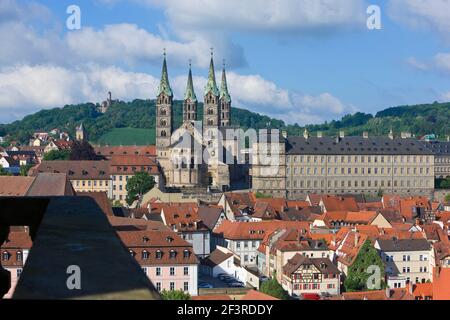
(71,231)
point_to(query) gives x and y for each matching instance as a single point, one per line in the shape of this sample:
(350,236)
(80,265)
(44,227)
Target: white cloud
(417,64)
(25,89)
(42,68)
(260,95)
(261,15)
(442,61)
(419,14)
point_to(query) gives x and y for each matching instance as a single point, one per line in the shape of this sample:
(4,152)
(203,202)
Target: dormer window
(145,239)
(172,254)
(145,255)
(132,253)
(5,256)
(158,254)
(186,254)
(169,239)
(19,256)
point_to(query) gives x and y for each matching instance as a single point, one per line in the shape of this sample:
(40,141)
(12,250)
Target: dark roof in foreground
(404,245)
(356,145)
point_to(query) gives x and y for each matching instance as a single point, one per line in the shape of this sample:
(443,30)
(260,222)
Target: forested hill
(418,119)
(135,114)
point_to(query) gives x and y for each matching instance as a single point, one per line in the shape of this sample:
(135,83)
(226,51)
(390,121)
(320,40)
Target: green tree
(358,273)
(24,169)
(260,195)
(447,198)
(274,289)
(3,172)
(175,295)
(116,204)
(445,184)
(57,155)
(137,185)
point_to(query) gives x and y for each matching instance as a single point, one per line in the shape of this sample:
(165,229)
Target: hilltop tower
(224,101)
(164,114)
(190,100)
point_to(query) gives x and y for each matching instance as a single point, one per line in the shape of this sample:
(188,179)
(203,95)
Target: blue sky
(303,61)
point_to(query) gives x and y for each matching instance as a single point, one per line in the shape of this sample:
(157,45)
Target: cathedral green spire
(190,94)
(211,85)
(223,86)
(164,86)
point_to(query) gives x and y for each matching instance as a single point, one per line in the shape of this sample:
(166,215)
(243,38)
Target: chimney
(391,134)
(319,134)
(356,239)
(341,134)
(366,135)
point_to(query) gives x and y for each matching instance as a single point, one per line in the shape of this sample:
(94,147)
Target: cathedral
(198,154)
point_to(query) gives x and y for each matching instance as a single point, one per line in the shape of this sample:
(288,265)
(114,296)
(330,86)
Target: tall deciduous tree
(363,268)
(274,289)
(137,185)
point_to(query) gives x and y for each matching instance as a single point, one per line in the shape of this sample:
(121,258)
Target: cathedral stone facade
(197,154)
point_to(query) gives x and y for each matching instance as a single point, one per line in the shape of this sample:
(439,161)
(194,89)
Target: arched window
(145,255)
(163,133)
(173,254)
(210,111)
(163,123)
(158,254)
(210,122)
(163,112)
(19,256)
(5,256)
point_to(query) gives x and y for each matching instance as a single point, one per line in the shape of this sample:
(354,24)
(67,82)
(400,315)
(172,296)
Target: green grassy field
(128,136)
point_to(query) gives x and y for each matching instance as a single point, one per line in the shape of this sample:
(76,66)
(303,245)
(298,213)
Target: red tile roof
(108,151)
(335,203)
(441,283)
(255,230)
(257,296)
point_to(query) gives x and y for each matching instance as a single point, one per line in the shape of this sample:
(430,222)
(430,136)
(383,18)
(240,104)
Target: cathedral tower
(224,101)
(164,114)
(211,115)
(190,100)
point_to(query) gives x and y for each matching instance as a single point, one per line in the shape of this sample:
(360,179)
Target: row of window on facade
(133,169)
(312,286)
(355,183)
(90,183)
(363,170)
(406,258)
(359,159)
(172,271)
(172,286)
(6,256)
(145,255)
